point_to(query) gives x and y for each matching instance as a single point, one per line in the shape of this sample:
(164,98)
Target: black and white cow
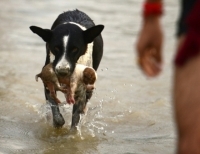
(73,38)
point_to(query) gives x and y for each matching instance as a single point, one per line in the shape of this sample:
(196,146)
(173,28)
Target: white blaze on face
(65,40)
(85,59)
(63,63)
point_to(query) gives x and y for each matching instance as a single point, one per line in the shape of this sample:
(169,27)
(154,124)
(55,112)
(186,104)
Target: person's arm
(154,1)
(149,44)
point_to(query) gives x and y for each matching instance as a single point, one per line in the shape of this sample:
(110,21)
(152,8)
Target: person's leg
(187,106)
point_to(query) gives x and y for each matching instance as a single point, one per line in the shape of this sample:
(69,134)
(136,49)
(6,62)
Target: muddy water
(128,114)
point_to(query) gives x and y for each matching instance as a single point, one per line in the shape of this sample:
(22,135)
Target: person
(186,84)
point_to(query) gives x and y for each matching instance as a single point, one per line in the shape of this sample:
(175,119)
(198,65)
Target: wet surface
(128,113)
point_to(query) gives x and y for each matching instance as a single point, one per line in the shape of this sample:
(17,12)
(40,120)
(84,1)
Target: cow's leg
(89,93)
(81,99)
(79,106)
(58,120)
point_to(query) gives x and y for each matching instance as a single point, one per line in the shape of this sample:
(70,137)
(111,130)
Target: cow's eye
(57,49)
(74,49)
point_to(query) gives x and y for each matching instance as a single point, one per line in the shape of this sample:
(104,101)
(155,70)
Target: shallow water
(128,114)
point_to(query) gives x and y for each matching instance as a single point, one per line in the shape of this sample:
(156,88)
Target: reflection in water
(127,114)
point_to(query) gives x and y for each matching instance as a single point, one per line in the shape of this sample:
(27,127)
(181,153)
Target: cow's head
(67,42)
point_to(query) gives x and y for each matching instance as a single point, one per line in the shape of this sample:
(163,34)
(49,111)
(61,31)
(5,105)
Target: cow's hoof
(58,121)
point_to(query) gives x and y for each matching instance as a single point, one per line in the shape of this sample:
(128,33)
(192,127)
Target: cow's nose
(63,70)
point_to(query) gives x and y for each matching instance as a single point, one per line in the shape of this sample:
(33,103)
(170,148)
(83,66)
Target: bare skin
(187,104)
(83,74)
(186,98)
(149,47)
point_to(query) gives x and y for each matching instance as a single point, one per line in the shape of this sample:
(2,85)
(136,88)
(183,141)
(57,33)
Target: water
(128,114)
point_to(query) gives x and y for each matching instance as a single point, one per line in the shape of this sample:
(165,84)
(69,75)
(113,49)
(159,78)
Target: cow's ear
(45,34)
(91,33)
